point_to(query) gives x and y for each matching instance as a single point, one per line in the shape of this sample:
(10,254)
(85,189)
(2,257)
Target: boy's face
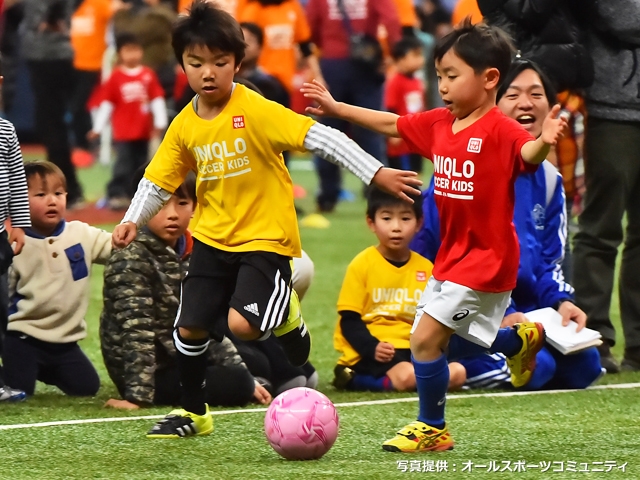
(172,221)
(210,73)
(526,101)
(131,55)
(411,62)
(47,203)
(461,89)
(395,226)
(252,52)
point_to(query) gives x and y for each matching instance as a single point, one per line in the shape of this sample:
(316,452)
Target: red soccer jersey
(475,170)
(131,92)
(403,95)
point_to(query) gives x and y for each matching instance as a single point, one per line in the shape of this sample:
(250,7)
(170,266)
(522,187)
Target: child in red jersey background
(404,94)
(133,99)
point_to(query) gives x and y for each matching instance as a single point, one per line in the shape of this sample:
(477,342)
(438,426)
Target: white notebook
(565,339)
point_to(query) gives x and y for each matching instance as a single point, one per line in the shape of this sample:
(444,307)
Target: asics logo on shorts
(253,308)
(459,316)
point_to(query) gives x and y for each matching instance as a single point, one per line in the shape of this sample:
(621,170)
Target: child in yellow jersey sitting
(378,299)
(246,230)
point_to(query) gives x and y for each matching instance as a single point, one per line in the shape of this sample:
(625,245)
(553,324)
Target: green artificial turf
(584,427)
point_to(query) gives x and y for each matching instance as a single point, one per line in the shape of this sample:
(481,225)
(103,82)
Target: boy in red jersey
(135,97)
(404,94)
(477,154)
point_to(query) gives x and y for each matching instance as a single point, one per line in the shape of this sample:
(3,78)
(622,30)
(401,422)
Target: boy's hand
(91,135)
(397,182)
(513,318)
(553,126)
(121,404)
(261,395)
(384,352)
(123,234)
(317,92)
(16,236)
(569,311)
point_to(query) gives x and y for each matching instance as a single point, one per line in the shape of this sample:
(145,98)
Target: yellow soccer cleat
(523,363)
(180,423)
(419,437)
(293,334)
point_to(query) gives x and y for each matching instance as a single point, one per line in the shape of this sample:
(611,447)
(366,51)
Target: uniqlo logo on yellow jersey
(238,122)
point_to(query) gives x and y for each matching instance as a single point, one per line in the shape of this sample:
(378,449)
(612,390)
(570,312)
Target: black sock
(192,372)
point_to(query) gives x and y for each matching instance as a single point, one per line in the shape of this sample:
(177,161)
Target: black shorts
(256,284)
(377,369)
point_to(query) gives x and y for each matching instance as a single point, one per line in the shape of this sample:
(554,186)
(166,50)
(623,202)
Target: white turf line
(344,404)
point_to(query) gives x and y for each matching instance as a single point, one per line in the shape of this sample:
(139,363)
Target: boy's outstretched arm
(336,147)
(147,202)
(553,127)
(381,122)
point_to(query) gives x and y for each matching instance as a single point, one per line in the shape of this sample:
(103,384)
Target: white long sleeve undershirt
(326,142)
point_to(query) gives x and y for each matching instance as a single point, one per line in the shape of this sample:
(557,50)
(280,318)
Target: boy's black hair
(255,30)
(377,199)
(126,38)
(187,189)
(405,45)
(480,46)
(517,67)
(209,26)
(43,168)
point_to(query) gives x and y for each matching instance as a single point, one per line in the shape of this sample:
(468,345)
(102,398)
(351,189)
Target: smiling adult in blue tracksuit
(541,225)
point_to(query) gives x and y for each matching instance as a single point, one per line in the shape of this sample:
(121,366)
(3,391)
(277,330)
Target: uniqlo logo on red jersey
(421,276)
(238,122)
(474,145)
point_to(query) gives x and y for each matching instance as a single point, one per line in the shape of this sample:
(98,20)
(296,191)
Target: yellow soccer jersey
(385,296)
(245,193)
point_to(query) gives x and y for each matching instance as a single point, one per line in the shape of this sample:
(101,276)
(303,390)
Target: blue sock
(369,382)
(432,381)
(507,342)
(461,348)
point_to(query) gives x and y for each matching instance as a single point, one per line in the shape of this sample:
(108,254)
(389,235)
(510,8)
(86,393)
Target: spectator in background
(612,157)
(285,29)
(548,33)
(135,98)
(14,205)
(49,292)
(151,21)
(11,15)
(466,8)
(46,45)
(88,37)
(404,94)
(348,79)
(267,84)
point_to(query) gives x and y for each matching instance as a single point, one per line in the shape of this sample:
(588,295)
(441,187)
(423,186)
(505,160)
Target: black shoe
(607,359)
(296,345)
(342,376)
(631,360)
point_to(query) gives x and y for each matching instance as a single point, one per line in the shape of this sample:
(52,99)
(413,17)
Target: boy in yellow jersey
(246,230)
(378,299)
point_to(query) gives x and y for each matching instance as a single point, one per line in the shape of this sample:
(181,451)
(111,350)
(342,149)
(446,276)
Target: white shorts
(473,315)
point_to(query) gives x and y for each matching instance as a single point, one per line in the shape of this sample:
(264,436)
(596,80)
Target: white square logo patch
(474,145)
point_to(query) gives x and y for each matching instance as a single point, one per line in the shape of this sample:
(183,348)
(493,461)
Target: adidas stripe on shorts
(256,284)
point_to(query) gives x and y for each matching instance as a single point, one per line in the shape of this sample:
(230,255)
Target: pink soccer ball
(301,424)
